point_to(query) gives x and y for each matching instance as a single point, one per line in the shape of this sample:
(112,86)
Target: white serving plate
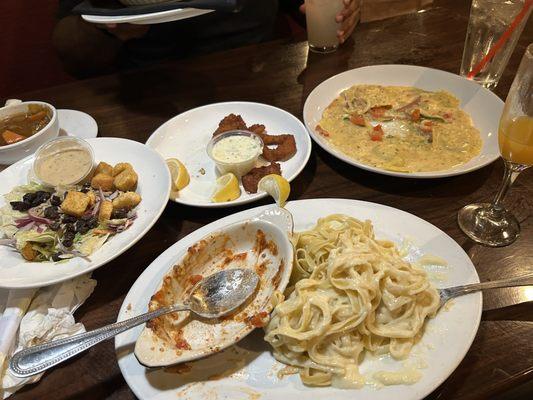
(248,370)
(484,107)
(154,187)
(147,19)
(186,136)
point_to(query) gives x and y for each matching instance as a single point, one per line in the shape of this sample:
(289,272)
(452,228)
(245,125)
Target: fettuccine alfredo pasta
(352,294)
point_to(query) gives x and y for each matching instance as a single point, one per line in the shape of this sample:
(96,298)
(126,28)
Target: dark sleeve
(65,7)
(292,7)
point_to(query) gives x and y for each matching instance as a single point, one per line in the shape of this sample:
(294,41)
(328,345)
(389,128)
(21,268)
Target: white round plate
(77,123)
(145,19)
(484,107)
(154,187)
(248,370)
(186,136)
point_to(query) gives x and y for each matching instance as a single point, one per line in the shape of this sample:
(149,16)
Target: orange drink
(516,140)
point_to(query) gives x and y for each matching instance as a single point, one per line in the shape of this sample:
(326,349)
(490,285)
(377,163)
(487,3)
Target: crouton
(28,252)
(126,201)
(104,168)
(126,180)
(106,208)
(117,169)
(92,198)
(75,204)
(104,182)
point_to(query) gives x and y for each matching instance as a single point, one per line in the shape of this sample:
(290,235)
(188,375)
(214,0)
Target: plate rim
(256,196)
(130,379)
(415,175)
(127,246)
(142,19)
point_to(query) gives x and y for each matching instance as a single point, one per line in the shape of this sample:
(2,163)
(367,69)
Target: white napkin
(48,317)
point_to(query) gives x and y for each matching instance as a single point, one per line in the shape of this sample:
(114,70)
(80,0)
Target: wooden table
(134,104)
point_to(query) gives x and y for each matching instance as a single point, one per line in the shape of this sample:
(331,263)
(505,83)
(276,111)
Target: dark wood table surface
(133,104)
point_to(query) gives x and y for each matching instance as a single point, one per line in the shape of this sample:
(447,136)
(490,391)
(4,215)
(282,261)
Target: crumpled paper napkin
(41,316)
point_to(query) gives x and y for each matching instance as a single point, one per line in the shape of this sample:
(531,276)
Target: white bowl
(17,151)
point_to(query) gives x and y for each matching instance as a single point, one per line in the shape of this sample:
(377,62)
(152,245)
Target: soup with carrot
(20,126)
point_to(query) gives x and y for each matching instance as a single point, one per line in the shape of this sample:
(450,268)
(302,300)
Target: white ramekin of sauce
(64,161)
(235,151)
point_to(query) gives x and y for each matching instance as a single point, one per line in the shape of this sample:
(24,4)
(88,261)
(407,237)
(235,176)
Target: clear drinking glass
(322,26)
(492,224)
(494,26)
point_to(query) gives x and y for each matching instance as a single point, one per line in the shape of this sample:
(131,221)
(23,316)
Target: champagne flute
(490,223)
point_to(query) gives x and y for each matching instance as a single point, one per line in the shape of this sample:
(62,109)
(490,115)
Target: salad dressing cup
(65,161)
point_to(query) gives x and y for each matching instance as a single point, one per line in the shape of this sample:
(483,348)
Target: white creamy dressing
(64,167)
(235,149)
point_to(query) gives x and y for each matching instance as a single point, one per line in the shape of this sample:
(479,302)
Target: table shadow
(454,186)
(214,367)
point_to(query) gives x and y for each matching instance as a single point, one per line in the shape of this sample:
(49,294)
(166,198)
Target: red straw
(492,52)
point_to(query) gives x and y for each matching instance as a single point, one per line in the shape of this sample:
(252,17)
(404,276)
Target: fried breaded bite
(75,204)
(92,198)
(106,209)
(103,168)
(230,123)
(126,201)
(104,182)
(284,150)
(126,180)
(252,178)
(28,252)
(117,169)
(258,129)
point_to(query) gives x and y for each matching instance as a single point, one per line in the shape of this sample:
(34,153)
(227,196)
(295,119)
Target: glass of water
(322,26)
(494,28)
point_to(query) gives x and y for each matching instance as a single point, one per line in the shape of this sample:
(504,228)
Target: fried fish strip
(284,150)
(252,178)
(230,123)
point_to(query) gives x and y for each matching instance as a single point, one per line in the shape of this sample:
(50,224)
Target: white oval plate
(186,136)
(144,19)
(77,123)
(484,107)
(248,370)
(154,187)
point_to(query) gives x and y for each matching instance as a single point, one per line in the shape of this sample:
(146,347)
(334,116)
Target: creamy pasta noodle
(399,128)
(352,293)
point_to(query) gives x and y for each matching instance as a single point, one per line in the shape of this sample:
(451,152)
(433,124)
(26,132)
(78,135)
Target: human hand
(348,17)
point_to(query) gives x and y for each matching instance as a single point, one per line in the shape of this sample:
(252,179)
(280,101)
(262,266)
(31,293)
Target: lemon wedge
(178,173)
(276,186)
(227,189)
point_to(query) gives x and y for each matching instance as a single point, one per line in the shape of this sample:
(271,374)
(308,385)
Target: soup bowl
(13,152)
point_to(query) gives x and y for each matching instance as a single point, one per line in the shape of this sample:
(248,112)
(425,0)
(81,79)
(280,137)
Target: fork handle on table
(524,280)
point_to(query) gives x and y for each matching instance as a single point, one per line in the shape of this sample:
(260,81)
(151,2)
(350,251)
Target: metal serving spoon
(213,297)
(449,293)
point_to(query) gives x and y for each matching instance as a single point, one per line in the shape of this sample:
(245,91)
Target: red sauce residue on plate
(231,258)
(259,320)
(261,244)
(194,279)
(261,268)
(180,342)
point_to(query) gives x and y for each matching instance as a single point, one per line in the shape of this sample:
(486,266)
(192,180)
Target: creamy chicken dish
(399,128)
